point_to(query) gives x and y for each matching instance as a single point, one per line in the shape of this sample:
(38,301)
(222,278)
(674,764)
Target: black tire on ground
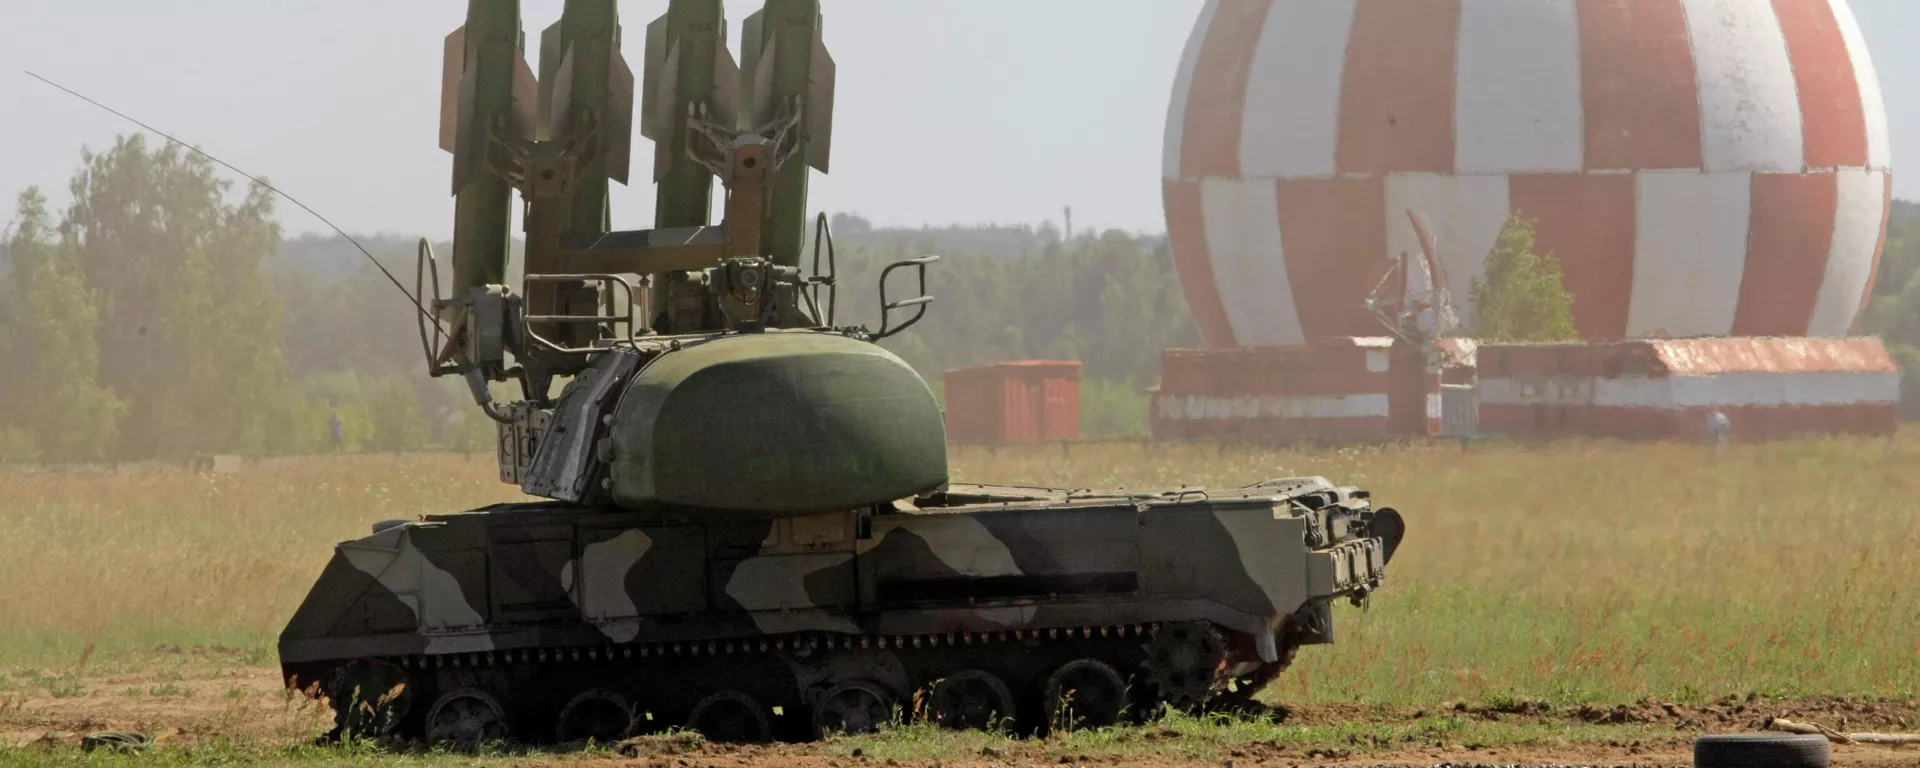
(1084,693)
(1761,750)
(971,699)
(467,718)
(598,714)
(731,716)
(855,706)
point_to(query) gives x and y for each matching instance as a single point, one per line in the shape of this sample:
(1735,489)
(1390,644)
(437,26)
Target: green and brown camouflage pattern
(749,529)
(515,589)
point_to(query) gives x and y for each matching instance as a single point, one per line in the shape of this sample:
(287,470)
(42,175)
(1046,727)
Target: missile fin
(526,99)
(550,54)
(655,97)
(463,138)
(668,124)
(753,41)
(726,88)
(453,64)
(763,84)
(558,118)
(618,128)
(819,117)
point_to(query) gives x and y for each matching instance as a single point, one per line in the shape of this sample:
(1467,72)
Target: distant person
(339,432)
(1717,427)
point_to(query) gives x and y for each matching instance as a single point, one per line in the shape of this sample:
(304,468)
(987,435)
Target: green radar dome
(776,423)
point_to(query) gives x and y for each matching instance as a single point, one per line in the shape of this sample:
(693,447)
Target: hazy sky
(946,111)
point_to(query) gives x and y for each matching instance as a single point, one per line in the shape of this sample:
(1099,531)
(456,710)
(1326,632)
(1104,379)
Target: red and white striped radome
(1700,167)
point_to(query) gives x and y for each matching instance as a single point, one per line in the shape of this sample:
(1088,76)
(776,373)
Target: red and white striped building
(1333,389)
(1767,387)
(1700,167)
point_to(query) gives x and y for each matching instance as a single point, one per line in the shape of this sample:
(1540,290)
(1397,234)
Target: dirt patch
(189,698)
(1679,756)
(1727,714)
(1754,712)
(195,698)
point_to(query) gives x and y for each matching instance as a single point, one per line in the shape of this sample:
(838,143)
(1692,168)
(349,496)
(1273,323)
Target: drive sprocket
(1186,661)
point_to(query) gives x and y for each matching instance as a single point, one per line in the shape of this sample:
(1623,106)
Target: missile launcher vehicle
(744,522)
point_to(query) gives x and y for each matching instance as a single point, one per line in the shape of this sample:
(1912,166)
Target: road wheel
(1761,750)
(971,699)
(855,706)
(1183,660)
(1084,693)
(730,716)
(599,715)
(467,718)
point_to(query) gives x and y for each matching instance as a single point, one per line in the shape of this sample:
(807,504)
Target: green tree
(59,402)
(1518,295)
(1893,311)
(189,332)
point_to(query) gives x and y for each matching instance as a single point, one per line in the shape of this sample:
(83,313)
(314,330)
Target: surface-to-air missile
(748,526)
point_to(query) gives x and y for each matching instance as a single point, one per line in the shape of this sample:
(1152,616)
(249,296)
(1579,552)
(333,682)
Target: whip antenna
(411,299)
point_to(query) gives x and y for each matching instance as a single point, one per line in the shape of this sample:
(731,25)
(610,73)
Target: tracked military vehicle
(745,522)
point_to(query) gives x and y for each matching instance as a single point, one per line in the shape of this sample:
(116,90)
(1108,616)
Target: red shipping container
(1024,401)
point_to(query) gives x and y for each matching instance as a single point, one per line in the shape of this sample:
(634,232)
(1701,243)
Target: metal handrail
(527,321)
(921,301)
(814,282)
(422,265)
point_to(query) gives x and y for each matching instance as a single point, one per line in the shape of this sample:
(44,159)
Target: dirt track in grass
(206,704)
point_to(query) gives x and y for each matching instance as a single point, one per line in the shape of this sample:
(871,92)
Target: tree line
(153,317)
(164,313)
(1893,309)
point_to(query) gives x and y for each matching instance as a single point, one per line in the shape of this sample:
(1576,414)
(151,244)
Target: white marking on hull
(964,545)
(602,575)
(434,595)
(1269,550)
(773,590)
(443,603)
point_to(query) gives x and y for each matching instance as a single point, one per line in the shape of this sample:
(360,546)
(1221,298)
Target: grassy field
(1572,573)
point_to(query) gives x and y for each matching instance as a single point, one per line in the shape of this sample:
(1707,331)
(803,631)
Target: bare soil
(196,696)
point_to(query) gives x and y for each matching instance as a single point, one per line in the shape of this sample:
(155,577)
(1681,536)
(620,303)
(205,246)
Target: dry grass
(1596,571)
(1574,572)
(146,556)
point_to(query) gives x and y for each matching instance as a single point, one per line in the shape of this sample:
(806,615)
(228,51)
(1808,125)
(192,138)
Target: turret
(704,369)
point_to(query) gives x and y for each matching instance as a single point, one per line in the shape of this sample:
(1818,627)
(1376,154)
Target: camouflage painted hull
(543,622)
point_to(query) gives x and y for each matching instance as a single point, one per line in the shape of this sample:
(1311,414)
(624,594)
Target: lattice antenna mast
(1412,299)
